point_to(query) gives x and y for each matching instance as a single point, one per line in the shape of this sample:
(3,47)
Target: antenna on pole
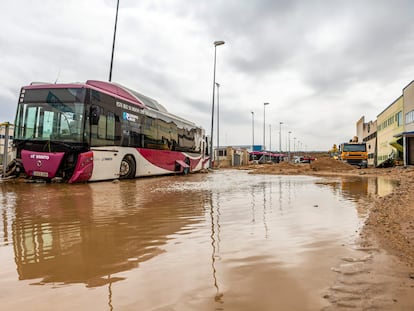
(113,42)
(58,75)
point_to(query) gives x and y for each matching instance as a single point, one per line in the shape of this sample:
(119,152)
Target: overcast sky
(320,65)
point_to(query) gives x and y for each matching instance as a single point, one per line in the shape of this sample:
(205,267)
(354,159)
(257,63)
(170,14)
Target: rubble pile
(329,164)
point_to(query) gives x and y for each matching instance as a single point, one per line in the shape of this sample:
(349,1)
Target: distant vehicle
(354,153)
(265,156)
(307,159)
(303,159)
(101,130)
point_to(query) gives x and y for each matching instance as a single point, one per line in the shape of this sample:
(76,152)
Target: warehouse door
(410,150)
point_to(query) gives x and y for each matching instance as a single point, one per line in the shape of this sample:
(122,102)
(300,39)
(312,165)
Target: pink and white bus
(101,130)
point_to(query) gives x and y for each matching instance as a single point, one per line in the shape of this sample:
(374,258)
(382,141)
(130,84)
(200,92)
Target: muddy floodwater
(226,240)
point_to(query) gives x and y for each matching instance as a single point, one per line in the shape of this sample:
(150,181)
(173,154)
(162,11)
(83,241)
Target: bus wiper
(48,143)
(59,143)
(18,143)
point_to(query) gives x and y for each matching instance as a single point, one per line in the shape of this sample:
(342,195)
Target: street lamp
(289,145)
(113,42)
(253,157)
(216,43)
(280,137)
(270,137)
(294,148)
(218,125)
(264,125)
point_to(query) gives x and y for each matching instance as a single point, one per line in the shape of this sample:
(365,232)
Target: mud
(331,239)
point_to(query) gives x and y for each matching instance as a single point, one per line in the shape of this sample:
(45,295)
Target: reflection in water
(385,186)
(355,188)
(215,243)
(264,212)
(7,201)
(227,240)
(92,230)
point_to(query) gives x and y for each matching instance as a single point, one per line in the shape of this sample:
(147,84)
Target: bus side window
(96,120)
(110,126)
(94,115)
(102,127)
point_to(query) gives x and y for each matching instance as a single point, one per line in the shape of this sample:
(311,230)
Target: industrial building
(390,138)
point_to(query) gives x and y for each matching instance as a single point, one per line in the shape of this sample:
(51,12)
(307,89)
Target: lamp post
(253,157)
(218,125)
(280,137)
(289,145)
(294,144)
(113,42)
(264,125)
(216,43)
(270,137)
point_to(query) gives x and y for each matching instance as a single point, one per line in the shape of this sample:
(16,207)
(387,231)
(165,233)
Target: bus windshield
(50,114)
(354,148)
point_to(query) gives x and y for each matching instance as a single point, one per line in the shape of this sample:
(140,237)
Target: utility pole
(113,42)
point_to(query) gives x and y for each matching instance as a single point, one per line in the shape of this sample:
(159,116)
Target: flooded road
(221,241)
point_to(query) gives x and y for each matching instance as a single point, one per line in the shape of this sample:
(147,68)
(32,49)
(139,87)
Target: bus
(97,130)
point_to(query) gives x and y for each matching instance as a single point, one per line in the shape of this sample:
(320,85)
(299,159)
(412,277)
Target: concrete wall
(360,129)
(408,94)
(370,137)
(2,141)
(367,132)
(229,158)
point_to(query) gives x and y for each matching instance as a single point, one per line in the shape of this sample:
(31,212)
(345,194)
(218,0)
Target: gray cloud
(321,64)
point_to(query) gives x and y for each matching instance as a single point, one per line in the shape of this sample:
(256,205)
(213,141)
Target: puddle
(355,188)
(221,241)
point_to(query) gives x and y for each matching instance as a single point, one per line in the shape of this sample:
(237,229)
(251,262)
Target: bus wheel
(127,169)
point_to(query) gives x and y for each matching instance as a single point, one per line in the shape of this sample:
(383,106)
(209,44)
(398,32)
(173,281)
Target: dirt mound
(282,168)
(323,165)
(286,165)
(328,164)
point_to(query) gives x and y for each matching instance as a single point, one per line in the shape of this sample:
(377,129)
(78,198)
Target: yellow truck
(354,153)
